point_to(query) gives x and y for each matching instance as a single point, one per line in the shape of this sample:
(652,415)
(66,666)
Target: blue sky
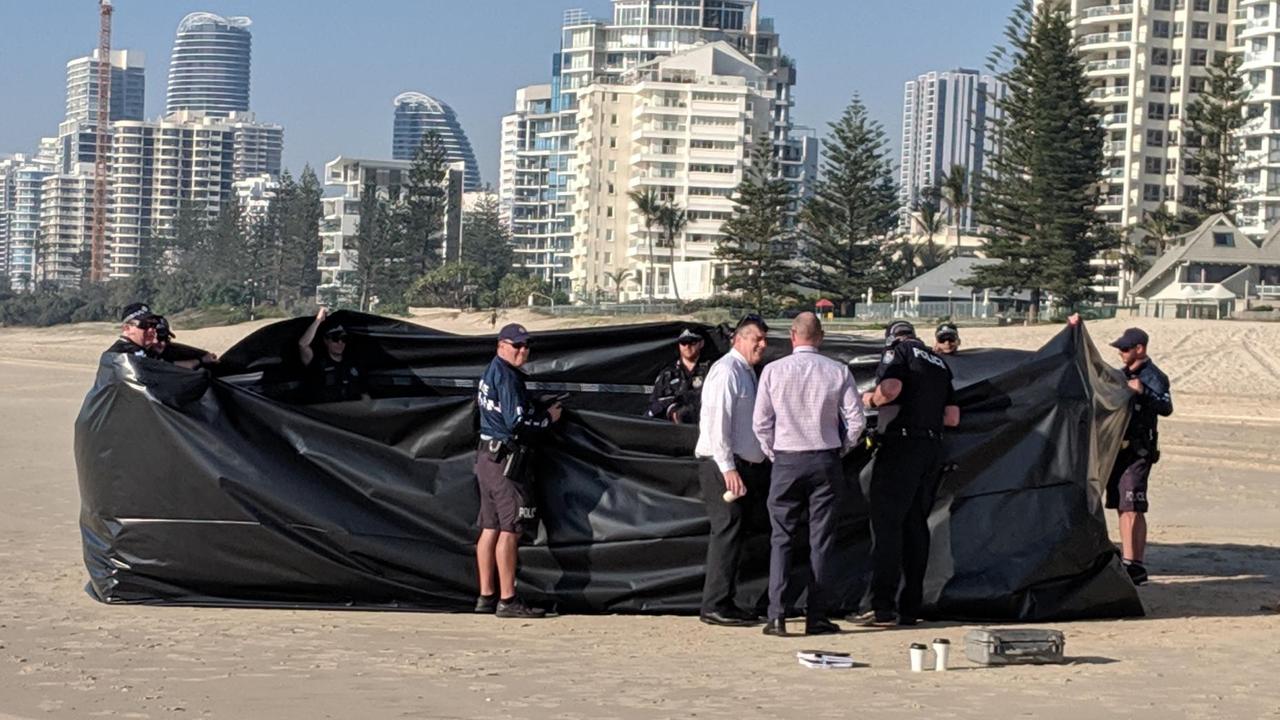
(328,70)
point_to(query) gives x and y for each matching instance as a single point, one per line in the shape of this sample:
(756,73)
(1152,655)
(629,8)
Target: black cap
(899,328)
(136,312)
(513,332)
(334,330)
(1131,337)
(163,331)
(689,336)
(947,331)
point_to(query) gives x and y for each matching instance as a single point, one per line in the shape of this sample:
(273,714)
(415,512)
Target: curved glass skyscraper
(416,114)
(209,70)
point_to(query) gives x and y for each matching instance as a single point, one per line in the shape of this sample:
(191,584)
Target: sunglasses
(949,340)
(690,341)
(340,337)
(516,345)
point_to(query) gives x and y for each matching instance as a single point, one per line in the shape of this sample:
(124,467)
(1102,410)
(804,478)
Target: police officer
(946,340)
(677,391)
(916,383)
(137,331)
(181,355)
(333,375)
(1127,485)
(509,422)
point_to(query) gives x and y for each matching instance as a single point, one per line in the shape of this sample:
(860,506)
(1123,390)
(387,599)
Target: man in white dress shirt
(733,466)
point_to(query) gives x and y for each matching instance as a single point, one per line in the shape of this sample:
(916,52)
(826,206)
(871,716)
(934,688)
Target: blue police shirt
(506,410)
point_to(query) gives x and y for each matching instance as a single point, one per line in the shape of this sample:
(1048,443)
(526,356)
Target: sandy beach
(1208,648)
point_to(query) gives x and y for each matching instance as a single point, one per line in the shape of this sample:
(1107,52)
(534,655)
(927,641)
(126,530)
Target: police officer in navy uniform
(913,384)
(677,391)
(332,375)
(181,355)
(510,422)
(137,331)
(1127,485)
(946,339)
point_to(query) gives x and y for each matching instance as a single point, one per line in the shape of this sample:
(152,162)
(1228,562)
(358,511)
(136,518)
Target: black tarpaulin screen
(229,491)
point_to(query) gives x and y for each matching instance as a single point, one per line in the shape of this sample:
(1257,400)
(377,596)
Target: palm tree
(955,190)
(673,219)
(649,205)
(618,277)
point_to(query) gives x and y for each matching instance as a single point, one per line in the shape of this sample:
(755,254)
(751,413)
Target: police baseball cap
(688,336)
(136,312)
(335,331)
(1131,337)
(163,331)
(947,331)
(900,328)
(513,333)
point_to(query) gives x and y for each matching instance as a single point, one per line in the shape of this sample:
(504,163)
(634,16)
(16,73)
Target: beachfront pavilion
(1211,272)
(942,292)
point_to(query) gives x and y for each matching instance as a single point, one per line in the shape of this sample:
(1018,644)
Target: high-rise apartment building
(128,87)
(339,257)
(683,126)
(416,115)
(209,68)
(945,121)
(597,52)
(7,166)
(66,225)
(255,195)
(1257,38)
(517,138)
(187,158)
(1148,60)
(27,178)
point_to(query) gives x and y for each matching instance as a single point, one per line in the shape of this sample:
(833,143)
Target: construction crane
(98,261)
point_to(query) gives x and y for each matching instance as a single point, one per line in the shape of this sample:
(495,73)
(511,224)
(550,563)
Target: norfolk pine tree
(853,209)
(1212,120)
(1037,208)
(755,246)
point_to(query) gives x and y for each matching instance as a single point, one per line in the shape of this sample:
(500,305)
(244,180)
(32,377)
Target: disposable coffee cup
(917,657)
(941,651)
(730,496)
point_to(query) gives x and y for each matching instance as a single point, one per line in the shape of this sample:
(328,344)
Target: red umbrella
(824,304)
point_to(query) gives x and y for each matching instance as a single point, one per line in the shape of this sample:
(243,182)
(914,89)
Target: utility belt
(513,457)
(1145,444)
(913,433)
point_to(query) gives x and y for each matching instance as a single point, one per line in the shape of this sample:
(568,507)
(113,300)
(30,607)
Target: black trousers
(730,523)
(903,487)
(812,481)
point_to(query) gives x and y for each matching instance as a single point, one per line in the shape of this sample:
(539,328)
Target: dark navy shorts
(504,504)
(1127,487)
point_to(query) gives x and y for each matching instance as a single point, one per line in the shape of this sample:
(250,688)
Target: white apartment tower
(1148,61)
(596,52)
(684,126)
(66,223)
(128,86)
(517,138)
(338,261)
(187,158)
(1257,38)
(946,117)
(26,178)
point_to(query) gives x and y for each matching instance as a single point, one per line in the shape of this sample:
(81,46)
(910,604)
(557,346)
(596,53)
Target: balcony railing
(1115,119)
(1106,65)
(1099,38)
(1108,10)
(1109,92)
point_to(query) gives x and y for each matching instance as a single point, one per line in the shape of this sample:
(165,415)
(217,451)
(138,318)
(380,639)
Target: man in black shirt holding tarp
(332,375)
(1127,486)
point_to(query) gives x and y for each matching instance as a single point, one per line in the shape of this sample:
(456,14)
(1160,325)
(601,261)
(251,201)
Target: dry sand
(1206,649)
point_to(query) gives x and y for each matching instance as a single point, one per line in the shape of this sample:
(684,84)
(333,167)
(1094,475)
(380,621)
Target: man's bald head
(806,329)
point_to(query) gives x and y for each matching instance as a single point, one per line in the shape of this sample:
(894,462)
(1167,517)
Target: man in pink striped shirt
(807,410)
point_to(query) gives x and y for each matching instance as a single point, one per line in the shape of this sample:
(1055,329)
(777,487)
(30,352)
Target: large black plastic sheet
(229,491)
